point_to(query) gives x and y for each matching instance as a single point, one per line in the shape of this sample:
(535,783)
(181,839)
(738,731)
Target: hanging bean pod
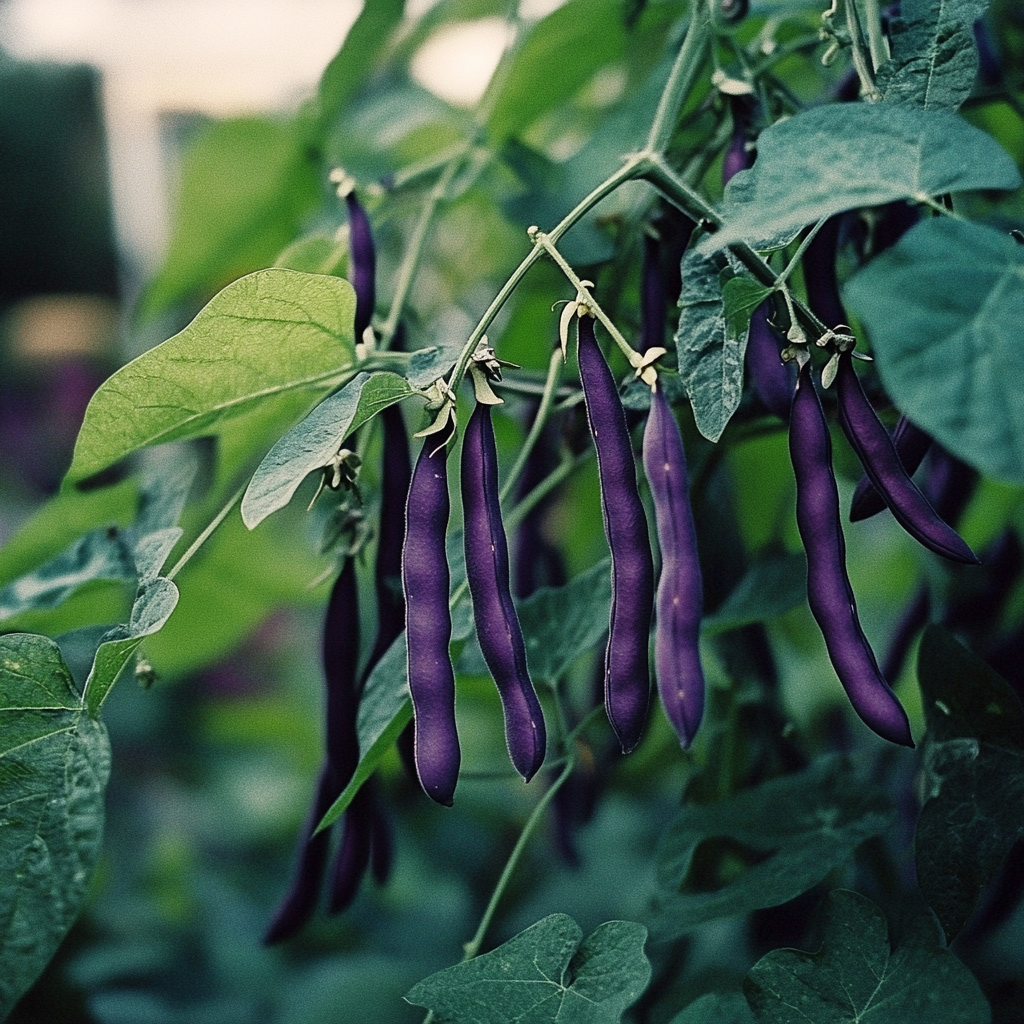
(425,580)
(911,444)
(772,378)
(874,448)
(828,587)
(353,855)
(487,572)
(627,673)
(678,604)
(362,264)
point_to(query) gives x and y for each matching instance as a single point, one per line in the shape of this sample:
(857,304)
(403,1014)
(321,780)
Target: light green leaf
(54,764)
(943,310)
(778,840)
(246,186)
(544,975)
(974,764)
(934,56)
(833,158)
(772,585)
(855,978)
(268,333)
(309,445)
(712,337)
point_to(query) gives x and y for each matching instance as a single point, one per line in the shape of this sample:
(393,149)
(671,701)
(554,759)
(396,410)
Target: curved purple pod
(819,264)
(773,379)
(487,572)
(428,629)
(353,854)
(299,903)
(911,444)
(874,447)
(738,154)
(680,593)
(828,587)
(340,651)
(627,672)
(362,263)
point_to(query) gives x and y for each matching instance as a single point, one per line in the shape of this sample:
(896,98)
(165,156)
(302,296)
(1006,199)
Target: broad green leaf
(934,56)
(786,835)
(427,364)
(153,605)
(710,345)
(855,978)
(542,975)
(54,764)
(772,585)
(943,310)
(271,332)
(716,1008)
(559,54)
(974,760)
(833,158)
(246,186)
(309,445)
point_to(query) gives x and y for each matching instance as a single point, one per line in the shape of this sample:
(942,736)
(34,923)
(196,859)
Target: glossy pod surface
(875,449)
(828,588)
(627,671)
(772,378)
(911,444)
(362,264)
(679,599)
(487,572)
(425,581)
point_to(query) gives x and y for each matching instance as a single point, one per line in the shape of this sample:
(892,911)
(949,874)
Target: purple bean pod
(340,652)
(911,444)
(298,904)
(425,580)
(820,274)
(353,856)
(362,264)
(739,156)
(828,588)
(680,593)
(383,843)
(487,572)
(875,449)
(773,379)
(627,673)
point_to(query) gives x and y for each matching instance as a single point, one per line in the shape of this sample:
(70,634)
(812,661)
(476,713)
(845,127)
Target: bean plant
(639,453)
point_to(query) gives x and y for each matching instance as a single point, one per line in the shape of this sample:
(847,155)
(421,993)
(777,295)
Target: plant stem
(205,535)
(877,44)
(680,79)
(561,472)
(867,81)
(546,400)
(801,249)
(473,946)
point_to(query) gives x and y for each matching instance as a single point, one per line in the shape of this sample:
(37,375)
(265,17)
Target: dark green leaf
(712,337)
(544,974)
(246,186)
(934,57)
(54,764)
(716,1008)
(309,445)
(833,158)
(560,54)
(974,760)
(784,837)
(855,979)
(772,585)
(271,332)
(943,309)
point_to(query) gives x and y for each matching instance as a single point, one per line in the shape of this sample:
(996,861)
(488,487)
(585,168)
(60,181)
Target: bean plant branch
(877,45)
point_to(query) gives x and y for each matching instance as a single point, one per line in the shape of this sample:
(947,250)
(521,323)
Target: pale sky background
(219,57)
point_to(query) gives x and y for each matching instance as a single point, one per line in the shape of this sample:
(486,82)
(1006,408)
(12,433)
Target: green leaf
(558,56)
(712,336)
(246,186)
(855,979)
(544,974)
(772,585)
(271,332)
(154,602)
(773,842)
(427,364)
(309,445)
(833,158)
(54,764)
(943,309)
(934,56)
(974,764)
(716,1008)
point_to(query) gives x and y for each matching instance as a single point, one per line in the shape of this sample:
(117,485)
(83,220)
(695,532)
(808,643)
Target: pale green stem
(561,472)
(546,399)
(791,266)
(867,81)
(877,44)
(680,80)
(205,535)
